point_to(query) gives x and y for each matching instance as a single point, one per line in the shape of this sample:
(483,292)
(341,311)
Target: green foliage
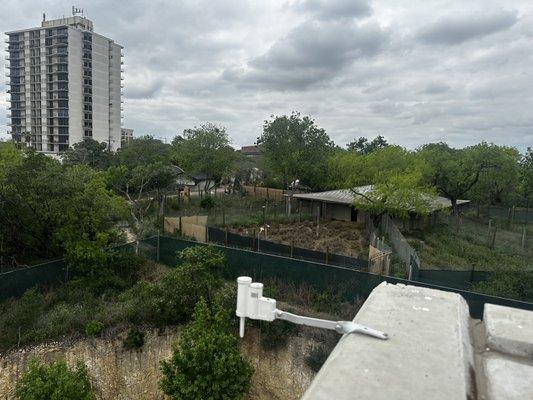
(54,382)
(88,152)
(363,146)
(145,150)
(18,316)
(206,363)
(293,148)
(134,340)
(46,206)
(205,150)
(171,300)
(317,357)
(514,283)
(94,328)
(207,203)
(398,177)
(526,174)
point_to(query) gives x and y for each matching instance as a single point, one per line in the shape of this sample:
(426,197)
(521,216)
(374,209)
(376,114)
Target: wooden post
(180,229)
(158,246)
(224,216)
(493,239)
(512,215)
(299,210)
(292,248)
(327,254)
(267,193)
(206,235)
(226,237)
(253,240)
(318,220)
(524,237)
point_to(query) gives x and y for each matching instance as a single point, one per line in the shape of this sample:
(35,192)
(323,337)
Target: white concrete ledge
(428,354)
(509,330)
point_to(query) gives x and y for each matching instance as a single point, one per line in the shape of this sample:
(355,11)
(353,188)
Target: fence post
(181,233)
(292,248)
(158,246)
(512,215)
(524,237)
(327,254)
(493,238)
(206,234)
(226,237)
(253,241)
(224,216)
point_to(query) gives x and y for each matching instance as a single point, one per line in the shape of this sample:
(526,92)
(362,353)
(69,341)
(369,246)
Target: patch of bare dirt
(345,238)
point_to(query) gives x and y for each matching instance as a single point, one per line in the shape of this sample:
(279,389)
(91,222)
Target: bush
(53,382)
(317,357)
(206,363)
(172,300)
(94,328)
(134,340)
(17,318)
(207,203)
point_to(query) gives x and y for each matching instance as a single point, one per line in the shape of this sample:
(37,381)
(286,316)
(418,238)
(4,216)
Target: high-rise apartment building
(65,84)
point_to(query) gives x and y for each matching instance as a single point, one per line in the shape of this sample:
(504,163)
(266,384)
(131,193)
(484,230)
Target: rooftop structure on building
(65,84)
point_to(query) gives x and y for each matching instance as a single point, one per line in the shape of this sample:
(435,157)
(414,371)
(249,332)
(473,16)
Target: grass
(467,246)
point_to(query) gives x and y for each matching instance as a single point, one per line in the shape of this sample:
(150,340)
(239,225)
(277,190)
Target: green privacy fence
(350,284)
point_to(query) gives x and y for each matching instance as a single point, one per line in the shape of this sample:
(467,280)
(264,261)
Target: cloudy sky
(414,71)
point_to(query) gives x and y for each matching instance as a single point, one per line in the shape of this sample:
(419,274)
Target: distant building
(253,152)
(340,205)
(126,136)
(64,85)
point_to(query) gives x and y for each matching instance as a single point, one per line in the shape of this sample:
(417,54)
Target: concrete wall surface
(434,351)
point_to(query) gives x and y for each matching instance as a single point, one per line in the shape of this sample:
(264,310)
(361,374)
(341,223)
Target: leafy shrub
(172,299)
(317,357)
(53,382)
(94,328)
(61,319)
(18,316)
(134,340)
(206,363)
(207,203)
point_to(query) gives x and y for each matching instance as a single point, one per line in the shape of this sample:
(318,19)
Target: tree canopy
(205,150)
(88,152)
(46,205)
(294,147)
(363,146)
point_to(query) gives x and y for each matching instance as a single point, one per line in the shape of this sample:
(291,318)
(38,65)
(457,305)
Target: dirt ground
(345,238)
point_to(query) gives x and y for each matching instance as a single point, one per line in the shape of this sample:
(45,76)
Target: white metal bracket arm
(252,304)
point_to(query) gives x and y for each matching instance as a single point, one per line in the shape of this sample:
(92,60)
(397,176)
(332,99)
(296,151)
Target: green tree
(454,171)
(10,157)
(88,152)
(363,146)
(526,174)
(205,150)
(144,150)
(294,147)
(499,180)
(46,206)
(206,363)
(54,382)
(388,180)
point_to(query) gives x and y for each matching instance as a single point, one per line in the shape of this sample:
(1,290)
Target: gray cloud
(335,9)
(311,53)
(459,29)
(360,68)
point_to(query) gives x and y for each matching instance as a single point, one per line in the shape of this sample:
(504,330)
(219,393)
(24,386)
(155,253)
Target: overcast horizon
(452,71)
